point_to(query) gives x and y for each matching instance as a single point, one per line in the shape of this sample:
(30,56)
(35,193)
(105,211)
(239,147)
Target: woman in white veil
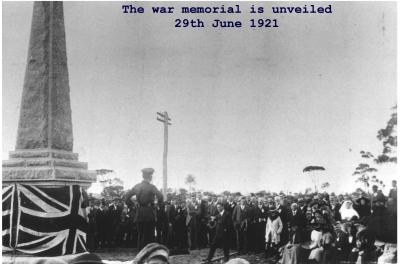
(347,211)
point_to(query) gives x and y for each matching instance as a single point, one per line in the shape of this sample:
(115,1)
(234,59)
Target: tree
(209,193)
(364,174)
(101,172)
(104,176)
(308,190)
(237,194)
(113,188)
(325,185)
(182,195)
(113,191)
(261,193)
(313,172)
(171,194)
(366,155)
(190,181)
(377,182)
(388,136)
(226,193)
(360,191)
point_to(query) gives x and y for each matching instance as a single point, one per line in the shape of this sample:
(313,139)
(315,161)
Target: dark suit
(303,209)
(335,209)
(393,206)
(363,210)
(92,237)
(223,228)
(180,228)
(170,214)
(211,211)
(230,206)
(298,218)
(161,225)
(393,194)
(146,216)
(260,223)
(343,246)
(101,221)
(132,226)
(240,219)
(191,225)
(251,228)
(113,219)
(201,224)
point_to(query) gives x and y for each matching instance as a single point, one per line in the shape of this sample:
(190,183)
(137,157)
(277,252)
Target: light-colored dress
(316,253)
(273,230)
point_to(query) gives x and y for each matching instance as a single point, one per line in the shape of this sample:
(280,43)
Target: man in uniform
(145,218)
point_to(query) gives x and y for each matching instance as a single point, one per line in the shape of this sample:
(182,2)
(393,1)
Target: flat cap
(148,170)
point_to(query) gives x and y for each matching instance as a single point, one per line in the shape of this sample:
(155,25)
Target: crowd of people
(301,228)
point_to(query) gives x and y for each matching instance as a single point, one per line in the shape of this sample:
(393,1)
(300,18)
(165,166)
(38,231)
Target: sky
(250,108)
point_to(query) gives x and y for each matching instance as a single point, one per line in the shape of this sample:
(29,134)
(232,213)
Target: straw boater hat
(150,251)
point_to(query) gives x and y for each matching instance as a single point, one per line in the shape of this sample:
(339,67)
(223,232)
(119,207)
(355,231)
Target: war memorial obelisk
(43,180)
(43,153)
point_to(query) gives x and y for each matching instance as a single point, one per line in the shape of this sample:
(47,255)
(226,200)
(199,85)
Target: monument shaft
(45,115)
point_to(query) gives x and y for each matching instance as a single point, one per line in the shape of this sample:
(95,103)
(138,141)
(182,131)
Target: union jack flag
(43,220)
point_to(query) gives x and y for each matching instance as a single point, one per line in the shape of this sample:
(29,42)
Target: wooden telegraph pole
(163,117)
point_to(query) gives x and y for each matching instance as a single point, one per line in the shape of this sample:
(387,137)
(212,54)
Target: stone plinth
(46,167)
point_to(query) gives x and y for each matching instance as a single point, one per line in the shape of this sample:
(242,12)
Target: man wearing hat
(302,205)
(145,217)
(224,227)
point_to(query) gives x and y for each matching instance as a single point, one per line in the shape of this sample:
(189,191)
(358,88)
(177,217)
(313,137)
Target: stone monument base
(46,167)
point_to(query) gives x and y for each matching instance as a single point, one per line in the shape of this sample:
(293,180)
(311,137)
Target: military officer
(146,215)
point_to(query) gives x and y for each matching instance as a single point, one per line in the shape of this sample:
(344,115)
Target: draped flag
(44,220)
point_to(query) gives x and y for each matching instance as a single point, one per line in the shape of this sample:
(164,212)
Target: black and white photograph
(199,132)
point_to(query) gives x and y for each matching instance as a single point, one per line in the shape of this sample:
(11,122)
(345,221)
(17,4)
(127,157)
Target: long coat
(145,193)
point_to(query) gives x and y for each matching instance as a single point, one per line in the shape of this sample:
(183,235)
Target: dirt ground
(118,255)
(126,255)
